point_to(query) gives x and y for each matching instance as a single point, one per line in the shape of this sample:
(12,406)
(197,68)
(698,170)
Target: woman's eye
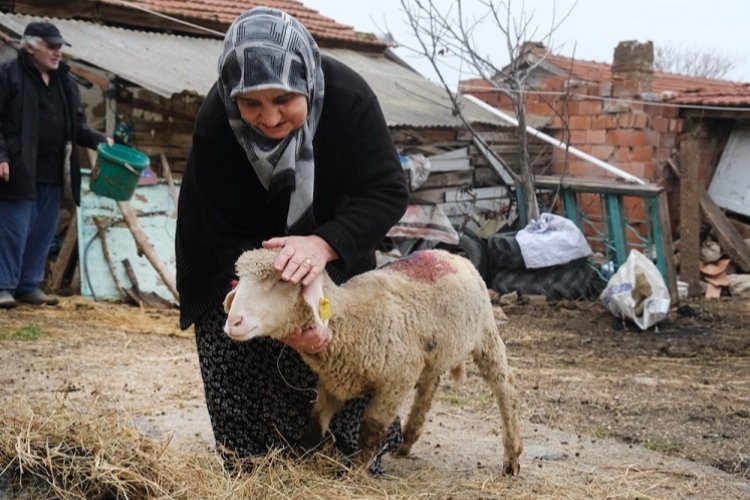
(249,104)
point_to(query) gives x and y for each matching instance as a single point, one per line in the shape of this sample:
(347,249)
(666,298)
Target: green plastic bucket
(117,170)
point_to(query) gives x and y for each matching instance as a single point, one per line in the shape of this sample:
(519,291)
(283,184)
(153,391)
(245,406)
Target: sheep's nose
(232,322)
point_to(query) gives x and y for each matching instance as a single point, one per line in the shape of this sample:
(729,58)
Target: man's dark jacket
(360,192)
(19,126)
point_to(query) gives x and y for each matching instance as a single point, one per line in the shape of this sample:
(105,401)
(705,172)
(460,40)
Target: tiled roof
(738,95)
(225,11)
(673,88)
(602,72)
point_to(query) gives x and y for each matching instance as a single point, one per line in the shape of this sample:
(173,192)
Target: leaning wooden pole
(101,230)
(167,174)
(145,247)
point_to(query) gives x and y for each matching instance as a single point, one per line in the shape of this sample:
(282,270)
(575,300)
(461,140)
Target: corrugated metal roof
(163,64)
(169,64)
(407,98)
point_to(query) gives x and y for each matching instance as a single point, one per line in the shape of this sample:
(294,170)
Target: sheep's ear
(316,301)
(229,299)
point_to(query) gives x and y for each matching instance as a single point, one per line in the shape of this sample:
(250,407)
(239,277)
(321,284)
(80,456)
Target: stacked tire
(572,280)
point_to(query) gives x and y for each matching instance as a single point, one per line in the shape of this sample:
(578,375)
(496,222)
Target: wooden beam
(727,234)
(167,174)
(690,215)
(101,231)
(452,179)
(67,252)
(663,242)
(100,81)
(145,247)
(729,238)
(742,228)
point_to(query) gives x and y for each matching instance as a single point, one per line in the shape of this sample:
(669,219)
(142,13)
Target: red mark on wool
(423,266)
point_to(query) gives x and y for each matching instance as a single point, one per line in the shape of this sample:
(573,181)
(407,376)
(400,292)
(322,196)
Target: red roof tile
(602,72)
(225,11)
(678,89)
(739,95)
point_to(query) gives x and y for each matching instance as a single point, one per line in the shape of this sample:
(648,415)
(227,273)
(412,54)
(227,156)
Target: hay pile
(92,453)
(80,454)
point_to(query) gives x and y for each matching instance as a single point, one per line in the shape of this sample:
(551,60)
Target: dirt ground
(657,414)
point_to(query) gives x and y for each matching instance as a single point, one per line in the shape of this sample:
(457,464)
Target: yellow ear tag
(325,309)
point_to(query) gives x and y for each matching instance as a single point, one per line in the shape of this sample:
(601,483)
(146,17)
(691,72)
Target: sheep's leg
(326,406)
(426,388)
(378,415)
(493,365)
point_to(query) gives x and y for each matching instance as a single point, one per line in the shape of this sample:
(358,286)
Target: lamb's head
(264,305)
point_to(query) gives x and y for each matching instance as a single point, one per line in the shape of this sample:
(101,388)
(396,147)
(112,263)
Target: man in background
(40,122)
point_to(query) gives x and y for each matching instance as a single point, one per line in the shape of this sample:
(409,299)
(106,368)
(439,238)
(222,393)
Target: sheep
(392,329)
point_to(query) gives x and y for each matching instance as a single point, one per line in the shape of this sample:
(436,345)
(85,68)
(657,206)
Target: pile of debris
(719,275)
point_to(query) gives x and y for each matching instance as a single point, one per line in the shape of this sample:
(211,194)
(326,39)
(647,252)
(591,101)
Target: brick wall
(612,121)
(618,122)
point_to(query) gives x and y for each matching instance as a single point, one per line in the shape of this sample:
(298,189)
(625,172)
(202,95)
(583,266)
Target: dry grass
(74,453)
(119,367)
(94,453)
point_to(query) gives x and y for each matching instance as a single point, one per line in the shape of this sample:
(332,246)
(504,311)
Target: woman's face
(275,112)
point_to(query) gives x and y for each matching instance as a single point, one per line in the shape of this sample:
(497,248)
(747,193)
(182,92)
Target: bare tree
(707,63)
(447,30)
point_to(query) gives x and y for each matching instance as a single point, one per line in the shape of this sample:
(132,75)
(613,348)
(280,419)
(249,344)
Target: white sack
(637,292)
(551,240)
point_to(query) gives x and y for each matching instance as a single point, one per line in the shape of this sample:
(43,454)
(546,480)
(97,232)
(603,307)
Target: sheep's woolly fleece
(260,265)
(422,266)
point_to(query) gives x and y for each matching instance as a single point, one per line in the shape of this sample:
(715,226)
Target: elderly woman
(290,151)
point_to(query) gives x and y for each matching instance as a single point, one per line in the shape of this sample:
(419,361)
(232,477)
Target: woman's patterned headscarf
(267,48)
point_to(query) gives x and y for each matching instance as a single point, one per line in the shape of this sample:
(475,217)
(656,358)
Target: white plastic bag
(637,292)
(551,240)
(418,169)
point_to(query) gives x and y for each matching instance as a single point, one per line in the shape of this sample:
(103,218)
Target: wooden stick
(167,173)
(101,232)
(690,215)
(149,299)
(67,251)
(145,247)
(135,290)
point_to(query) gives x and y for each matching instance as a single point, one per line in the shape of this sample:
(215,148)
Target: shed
(153,83)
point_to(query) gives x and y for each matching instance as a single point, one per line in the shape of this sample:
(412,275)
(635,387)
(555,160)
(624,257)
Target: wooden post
(690,214)
(662,235)
(167,174)
(146,248)
(67,252)
(101,230)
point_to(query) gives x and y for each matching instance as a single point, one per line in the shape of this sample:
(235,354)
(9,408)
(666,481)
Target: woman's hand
(311,341)
(301,258)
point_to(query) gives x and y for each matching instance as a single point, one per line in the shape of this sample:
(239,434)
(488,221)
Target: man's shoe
(38,298)
(6,300)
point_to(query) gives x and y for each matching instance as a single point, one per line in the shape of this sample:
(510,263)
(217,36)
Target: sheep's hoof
(511,467)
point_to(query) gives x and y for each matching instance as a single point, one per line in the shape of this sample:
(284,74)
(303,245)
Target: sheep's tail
(458,373)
